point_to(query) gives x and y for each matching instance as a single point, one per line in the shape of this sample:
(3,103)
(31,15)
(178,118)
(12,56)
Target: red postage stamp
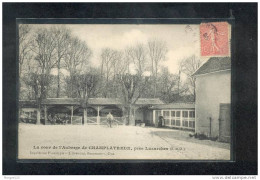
(214,39)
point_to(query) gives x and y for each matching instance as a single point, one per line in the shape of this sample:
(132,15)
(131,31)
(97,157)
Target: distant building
(213,98)
(97,109)
(178,115)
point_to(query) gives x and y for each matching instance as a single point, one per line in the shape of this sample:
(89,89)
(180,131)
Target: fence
(103,120)
(118,120)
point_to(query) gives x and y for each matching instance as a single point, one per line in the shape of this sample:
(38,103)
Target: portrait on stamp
(124,91)
(214,38)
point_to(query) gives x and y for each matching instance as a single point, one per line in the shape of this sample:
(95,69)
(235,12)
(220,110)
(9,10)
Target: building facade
(177,115)
(213,98)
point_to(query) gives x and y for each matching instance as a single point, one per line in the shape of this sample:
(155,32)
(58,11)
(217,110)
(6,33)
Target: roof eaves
(200,74)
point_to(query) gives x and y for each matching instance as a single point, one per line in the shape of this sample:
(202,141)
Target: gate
(92,120)
(77,120)
(224,122)
(118,120)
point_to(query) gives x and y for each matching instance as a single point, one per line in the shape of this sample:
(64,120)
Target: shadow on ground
(181,135)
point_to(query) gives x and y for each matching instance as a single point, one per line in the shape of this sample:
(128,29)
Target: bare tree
(132,88)
(127,60)
(118,67)
(24,42)
(169,86)
(61,36)
(43,47)
(188,66)
(137,55)
(109,60)
(157,52)
(24,48)
(76,61)
(85,86)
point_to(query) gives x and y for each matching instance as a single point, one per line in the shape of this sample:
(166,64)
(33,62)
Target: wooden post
(38,116)
(188,119)
(85,116)
(181,117)
(98,117)
(71,115)
(170,118)
(45,115)
(161,115)
(134,113)
(154,117)
(210,119)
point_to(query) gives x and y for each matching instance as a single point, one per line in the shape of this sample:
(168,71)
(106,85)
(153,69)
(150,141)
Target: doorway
(224,122)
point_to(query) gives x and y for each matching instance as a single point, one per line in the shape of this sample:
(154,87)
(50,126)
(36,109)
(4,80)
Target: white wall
(211,90)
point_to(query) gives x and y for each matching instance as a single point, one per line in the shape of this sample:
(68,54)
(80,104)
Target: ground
(122,142)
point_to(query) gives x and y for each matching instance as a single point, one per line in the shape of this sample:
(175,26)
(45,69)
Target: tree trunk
(58,88)
(130,116)
(128,113)
(179,85)
(155,80)
(155,86)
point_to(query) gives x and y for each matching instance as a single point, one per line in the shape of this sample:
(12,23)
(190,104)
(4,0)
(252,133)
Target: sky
(181,41)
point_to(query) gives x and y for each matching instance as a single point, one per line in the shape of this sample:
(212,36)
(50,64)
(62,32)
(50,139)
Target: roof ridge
(214,64)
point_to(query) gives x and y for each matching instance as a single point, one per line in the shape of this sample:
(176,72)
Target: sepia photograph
(125,91)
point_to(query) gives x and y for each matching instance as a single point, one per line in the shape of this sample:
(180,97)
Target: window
(178,118)
(178,114)
(167,122)
(178,122)
(166,113)
(173,122)
(192,114)
(185,114)
(166,116)
(191,124)
(173,113)
(191,119)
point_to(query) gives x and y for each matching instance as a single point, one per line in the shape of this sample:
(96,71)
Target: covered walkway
(69,110)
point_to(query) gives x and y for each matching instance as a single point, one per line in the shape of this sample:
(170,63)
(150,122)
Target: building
(71,111)
(178,115)
(213,98)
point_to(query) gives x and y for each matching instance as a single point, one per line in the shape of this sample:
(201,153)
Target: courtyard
(121,142)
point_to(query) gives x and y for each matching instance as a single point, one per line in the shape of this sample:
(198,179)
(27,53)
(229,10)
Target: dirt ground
(122,142)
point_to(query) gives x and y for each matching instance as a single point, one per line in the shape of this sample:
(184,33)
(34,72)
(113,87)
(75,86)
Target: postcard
(125,91)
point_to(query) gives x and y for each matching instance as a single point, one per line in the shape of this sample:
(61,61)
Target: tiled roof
(174,106)
(95,101)
(61,101)
(29,103)
(214,64)
(74,101)
(148,101)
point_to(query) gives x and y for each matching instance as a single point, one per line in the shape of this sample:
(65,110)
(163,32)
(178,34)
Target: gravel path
(122,142)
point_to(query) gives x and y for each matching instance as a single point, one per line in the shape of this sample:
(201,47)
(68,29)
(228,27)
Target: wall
(211,90)
(139,114)
(148,117)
